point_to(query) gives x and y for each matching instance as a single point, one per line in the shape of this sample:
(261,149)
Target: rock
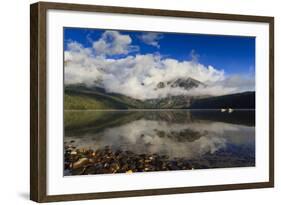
(114,167)
(68,150)
(66,165)
(118,152)
(66,147)
(98,166)
(81,150)
(81,162)
(106,160)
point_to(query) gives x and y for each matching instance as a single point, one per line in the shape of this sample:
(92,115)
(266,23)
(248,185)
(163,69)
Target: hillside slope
(244,100)
(81,97)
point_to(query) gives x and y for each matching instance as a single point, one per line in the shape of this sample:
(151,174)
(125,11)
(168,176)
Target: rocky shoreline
(105,161)
(85,161)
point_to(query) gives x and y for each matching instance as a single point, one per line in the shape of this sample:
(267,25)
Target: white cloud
(137,76)
(142,136)
(244,82)
(194,56)
(113,43)
(151,38)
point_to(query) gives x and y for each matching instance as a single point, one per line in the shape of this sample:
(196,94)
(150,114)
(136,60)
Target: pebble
(81,162)
(106,160)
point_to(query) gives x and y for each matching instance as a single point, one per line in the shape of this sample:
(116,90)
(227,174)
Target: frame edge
(34,186)
(37,102)
(271,101)
(154,12)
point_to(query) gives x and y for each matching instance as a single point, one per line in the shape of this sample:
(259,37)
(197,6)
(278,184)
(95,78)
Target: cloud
(142,136)
(243,82)
(146,133)
(151,38)
(113,43)
(137,76)
(194,56)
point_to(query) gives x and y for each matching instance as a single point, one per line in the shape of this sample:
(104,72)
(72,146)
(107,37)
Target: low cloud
(243,82)
(137,75)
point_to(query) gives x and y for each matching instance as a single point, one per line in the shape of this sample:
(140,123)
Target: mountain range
(186,84)
(80,96)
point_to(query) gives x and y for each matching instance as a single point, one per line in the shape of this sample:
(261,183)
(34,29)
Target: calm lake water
(203,139)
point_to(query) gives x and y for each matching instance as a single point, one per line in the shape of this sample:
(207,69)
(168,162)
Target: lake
(101,142)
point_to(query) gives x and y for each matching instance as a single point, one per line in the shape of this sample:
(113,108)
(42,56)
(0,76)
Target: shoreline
(108,161)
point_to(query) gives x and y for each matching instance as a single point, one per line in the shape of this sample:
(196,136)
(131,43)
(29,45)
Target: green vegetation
(85,100)
(95,121)
(80,97)
(72,102)
(74,119)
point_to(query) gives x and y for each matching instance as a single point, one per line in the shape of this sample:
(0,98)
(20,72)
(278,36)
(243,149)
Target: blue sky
(133,63)
(233,54)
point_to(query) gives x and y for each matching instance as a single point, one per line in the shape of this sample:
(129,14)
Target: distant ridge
(82,97)
(245,100)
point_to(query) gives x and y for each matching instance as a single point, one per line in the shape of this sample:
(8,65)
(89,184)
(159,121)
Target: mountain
(245,100)
(187,83)
(170,102)
(82,97)
(179,101)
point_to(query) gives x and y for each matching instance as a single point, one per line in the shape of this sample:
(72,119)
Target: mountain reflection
(176,134)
